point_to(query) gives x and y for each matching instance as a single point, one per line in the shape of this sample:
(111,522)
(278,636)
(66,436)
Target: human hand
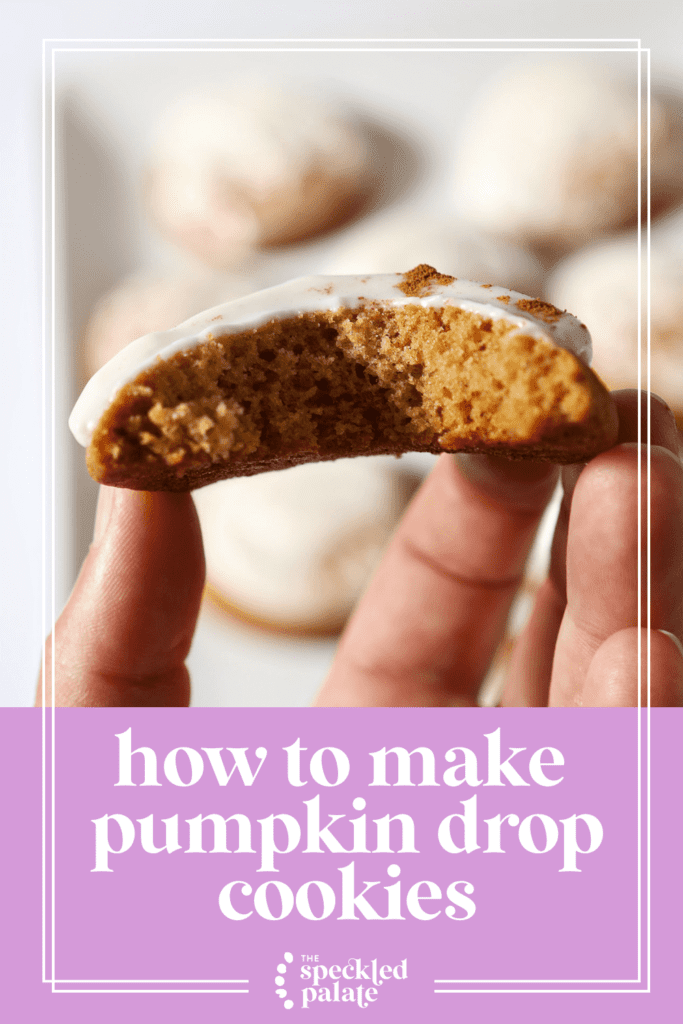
(427,628)
(126,630)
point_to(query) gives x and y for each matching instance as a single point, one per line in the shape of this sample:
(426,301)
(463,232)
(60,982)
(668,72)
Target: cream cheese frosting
(316,293)
(146,302)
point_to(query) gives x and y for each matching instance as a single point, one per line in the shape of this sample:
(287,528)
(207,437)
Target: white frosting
(146,302)
(308,295)
(298,546)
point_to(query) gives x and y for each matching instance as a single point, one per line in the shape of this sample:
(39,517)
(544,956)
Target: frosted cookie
(254,167)
(320,368)
(292,551)
(146,303)
(409,237)
(550,154)
(601,283)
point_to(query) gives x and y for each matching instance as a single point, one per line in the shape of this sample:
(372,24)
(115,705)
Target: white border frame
(48,471)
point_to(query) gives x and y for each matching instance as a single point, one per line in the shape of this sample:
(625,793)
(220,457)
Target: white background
(24,24)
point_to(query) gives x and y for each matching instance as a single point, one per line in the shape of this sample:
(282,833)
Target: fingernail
(105,507)
(672,636)
(523,484)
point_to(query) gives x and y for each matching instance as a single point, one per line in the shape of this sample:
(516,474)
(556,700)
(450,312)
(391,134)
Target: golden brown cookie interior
(369,380)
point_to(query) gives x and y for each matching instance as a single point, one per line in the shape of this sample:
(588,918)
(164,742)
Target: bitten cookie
(321,368)
(146,302)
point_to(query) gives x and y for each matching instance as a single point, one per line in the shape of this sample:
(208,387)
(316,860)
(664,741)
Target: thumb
(126,630)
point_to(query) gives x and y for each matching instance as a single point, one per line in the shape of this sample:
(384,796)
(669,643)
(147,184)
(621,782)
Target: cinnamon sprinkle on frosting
(421,280)
(540,309)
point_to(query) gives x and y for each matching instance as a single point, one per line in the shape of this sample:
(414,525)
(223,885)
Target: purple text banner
(330,861)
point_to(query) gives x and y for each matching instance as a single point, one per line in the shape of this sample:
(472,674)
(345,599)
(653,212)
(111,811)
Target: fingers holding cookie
(593,591)
(122,639)
(426,630)
(606,586)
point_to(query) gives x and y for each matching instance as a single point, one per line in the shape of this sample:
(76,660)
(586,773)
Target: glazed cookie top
(254,165)
(573,129)
(254,133)
(422,286)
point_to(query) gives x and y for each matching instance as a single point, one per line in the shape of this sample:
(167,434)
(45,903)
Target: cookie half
(322,368)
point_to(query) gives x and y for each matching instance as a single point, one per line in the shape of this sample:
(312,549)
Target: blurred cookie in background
(152,302)
(291,551)
(385,243)
(549,154)
(600,285)
(254,166)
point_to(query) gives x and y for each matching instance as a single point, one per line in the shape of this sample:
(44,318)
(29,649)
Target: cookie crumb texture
(324,385)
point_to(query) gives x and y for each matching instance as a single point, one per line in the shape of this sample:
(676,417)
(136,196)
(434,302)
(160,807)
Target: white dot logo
(280,980)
